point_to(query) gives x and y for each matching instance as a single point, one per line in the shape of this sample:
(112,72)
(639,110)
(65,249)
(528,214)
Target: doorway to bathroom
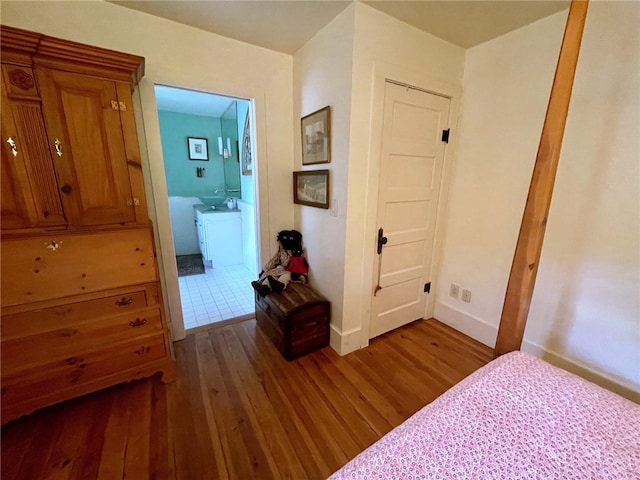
(210,184)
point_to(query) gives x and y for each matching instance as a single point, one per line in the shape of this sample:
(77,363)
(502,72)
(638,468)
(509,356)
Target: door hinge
(133,201)
(445,135)
(427,287)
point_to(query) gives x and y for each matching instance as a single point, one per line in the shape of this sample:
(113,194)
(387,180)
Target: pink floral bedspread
(516,418)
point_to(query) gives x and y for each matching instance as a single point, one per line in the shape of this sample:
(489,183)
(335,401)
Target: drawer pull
(53,245)
(139,322)
(142,351)
(58,146)
(123,302)
(12,146)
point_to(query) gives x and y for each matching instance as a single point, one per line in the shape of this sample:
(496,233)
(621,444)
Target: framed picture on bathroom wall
(316,137)
(247,165)
(198,149)
(311,188)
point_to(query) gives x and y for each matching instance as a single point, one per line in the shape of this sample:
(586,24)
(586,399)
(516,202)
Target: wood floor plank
(310,455)
(115,434)
(209,391)
(261,462)
(306,408)
(161,464)
(271,432)
(224,413)
(345,400)
(192,450)
(136,464)
(238,410)
(86,468)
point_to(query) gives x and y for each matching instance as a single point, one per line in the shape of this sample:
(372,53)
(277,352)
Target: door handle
(382,240)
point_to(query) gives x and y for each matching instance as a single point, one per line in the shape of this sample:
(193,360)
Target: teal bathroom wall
(182,181)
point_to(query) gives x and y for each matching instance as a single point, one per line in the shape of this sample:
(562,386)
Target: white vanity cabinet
(219,235)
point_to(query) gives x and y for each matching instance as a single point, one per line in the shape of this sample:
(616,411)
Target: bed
(516,418)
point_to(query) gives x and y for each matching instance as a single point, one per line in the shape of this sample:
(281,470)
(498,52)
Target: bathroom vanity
(219,234)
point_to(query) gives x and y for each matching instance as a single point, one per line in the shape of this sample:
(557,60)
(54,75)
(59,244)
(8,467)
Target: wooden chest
(296,319)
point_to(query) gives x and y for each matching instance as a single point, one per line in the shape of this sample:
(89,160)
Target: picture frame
(316,137)
(198,148)
(247,165)
(311,187)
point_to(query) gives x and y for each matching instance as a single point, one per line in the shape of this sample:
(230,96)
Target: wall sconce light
(225,152)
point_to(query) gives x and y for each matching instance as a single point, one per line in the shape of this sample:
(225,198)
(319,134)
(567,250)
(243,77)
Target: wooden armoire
(81,303)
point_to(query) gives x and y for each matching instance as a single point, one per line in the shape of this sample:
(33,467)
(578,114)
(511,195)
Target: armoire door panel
(85,135)
(18,207)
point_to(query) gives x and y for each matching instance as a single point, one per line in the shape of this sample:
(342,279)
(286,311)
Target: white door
(411,168)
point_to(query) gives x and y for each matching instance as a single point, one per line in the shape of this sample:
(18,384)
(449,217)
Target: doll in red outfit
(288,265)
(298,267)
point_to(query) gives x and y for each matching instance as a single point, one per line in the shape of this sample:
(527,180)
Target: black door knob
(66,188)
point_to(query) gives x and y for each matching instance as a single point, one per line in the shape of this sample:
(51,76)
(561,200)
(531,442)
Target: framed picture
(316,137)
(311,188)
(247,166)
(198,148)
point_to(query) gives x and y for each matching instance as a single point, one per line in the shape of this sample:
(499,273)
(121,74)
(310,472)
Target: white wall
(322,76)
(183,56)
(585,312)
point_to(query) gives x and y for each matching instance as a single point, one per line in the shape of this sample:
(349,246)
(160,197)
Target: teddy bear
(288,264)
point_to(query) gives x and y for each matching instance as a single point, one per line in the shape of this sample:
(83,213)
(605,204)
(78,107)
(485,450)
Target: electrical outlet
(466,296)
(454,290)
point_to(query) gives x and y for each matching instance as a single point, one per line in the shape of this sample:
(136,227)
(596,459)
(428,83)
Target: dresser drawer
(81,369)
(19,353)
(69,315)
(60,265)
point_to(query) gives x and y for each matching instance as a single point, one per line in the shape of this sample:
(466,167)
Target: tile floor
(220,294)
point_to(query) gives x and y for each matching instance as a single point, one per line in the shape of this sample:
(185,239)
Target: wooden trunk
(296,319)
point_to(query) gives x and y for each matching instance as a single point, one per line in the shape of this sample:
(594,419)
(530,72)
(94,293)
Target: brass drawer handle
(13,146)
(142,351)
(123,302)
(139,322)
(58,146)
(53,245)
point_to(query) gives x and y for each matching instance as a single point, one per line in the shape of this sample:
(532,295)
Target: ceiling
(285,26)
(189,101)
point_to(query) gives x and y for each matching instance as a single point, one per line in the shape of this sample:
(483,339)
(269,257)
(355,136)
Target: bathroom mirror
(229,129)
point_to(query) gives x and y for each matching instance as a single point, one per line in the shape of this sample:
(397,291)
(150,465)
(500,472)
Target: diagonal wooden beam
(534,220)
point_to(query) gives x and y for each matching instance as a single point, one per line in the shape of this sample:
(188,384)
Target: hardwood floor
(238,410)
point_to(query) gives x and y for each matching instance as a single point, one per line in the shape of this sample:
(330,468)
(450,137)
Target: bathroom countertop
(206,209)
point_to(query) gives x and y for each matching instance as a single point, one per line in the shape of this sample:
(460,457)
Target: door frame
(382,73)
(156,184)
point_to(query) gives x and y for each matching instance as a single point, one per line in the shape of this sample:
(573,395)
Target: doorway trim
(382,73)
(156,186)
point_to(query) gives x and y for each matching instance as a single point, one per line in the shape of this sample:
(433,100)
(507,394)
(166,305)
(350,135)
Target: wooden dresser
(81,302)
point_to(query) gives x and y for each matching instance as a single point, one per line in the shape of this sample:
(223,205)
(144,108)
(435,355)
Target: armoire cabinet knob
(66,189)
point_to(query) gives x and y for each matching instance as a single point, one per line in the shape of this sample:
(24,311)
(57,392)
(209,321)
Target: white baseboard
(472,326)
(486,333)
(346,342)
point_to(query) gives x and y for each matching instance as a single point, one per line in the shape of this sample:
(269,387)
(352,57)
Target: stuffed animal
(287,265)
